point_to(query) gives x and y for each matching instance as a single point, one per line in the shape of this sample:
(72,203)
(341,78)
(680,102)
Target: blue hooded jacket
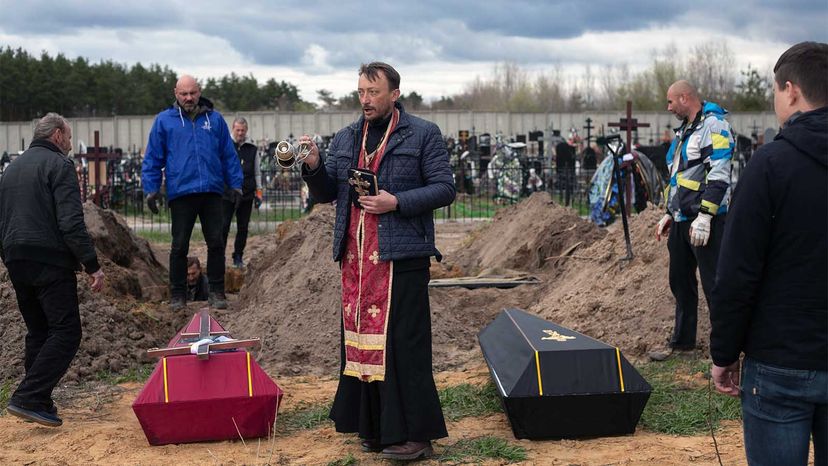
(198,156)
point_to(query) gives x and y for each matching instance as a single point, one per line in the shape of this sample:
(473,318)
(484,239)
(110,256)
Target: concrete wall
(130,132)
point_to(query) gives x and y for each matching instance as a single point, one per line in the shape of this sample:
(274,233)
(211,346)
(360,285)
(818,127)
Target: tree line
(32,85)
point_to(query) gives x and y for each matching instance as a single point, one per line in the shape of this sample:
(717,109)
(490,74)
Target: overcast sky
(437,45)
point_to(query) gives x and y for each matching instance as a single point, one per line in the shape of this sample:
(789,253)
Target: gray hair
(46,126)
(241,121)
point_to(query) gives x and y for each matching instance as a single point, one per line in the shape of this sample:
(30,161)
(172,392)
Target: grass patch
(467,400)
(133,374)
(347,461)
(304,416)
(163,235)
(680,403)
(5,393)
(483,448)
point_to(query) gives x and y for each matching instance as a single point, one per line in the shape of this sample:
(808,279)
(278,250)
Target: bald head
(683,100)
(187,93)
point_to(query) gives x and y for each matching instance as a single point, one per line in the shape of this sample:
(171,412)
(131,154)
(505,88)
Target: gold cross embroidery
(374,257)
(350,256)
(360,185)
(348,310)
(374,311)
(554,335)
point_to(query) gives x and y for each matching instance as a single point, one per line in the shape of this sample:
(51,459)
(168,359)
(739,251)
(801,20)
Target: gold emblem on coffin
(554,335)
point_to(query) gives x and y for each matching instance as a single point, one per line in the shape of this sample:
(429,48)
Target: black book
(362,182)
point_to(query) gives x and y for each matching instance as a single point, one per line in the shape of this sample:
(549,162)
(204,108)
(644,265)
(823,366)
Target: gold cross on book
(360,185)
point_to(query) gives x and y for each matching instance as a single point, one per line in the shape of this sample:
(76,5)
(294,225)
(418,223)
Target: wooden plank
(212,334)
(179,350)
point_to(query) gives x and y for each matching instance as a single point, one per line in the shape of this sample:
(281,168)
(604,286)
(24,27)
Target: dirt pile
(625,304)
(292,288)
(290,297)
(523,236)
(134,270)
(117,327)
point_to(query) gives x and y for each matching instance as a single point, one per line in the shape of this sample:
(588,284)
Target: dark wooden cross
(589,129)
(629,124)
(97,175)
(755,129)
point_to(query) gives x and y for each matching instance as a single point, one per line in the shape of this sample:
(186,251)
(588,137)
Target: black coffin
(557,383)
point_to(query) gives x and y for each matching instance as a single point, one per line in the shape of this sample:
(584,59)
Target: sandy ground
(100,428)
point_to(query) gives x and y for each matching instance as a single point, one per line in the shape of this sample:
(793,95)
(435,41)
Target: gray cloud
(334,34)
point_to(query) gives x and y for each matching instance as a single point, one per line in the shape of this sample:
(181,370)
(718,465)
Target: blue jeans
(781,409)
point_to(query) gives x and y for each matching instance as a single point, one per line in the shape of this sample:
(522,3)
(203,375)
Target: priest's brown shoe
(371,446)
(408,451)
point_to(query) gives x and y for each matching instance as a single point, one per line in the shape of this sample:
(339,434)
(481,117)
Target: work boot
(237,261)
(408,451)
(177,303)
(217,299)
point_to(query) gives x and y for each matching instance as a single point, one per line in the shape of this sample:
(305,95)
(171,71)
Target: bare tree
(711,68)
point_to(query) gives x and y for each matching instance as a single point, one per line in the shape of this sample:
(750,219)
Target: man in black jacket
(43,240)
(251,191)
(770,300)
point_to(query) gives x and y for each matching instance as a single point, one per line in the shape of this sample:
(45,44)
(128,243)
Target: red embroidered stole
(366,281)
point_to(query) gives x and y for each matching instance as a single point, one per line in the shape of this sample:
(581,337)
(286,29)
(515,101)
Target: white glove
(663,227)
(700,230)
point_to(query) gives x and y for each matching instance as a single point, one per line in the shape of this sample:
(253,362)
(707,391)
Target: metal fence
(481,191)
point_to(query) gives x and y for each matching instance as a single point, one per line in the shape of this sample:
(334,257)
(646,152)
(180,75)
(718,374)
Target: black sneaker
(177,303)
(217,299)
(45,418)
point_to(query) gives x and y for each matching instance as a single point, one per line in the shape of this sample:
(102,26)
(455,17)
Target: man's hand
(236,198)
(96,280)
(663,227)
(381,203)
(726,379)
(152,202)
(700,230)
(312,161)
(257,201)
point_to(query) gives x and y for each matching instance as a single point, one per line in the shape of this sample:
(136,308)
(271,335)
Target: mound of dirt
(117,328)
(524,236)
(290,298)
(292,288)
(625,304)
(133,269)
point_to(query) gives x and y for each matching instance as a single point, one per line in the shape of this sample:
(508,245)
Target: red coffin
(188,399)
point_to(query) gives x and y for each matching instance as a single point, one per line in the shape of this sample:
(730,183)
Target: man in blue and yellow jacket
(699,161)
(191,143)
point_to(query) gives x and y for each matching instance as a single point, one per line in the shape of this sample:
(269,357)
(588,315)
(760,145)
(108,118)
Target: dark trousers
(207,206)
(242,222)
(406,406)
(684,259)
(48,300)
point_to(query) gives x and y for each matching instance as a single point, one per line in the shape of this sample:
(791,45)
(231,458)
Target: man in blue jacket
(771,299)
(383,239)
(190,142)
